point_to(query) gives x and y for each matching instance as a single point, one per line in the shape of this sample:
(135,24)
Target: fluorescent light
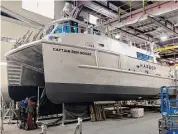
(117,36)
(93,19)
(3,63)
(11,40)
(163,38)
(171,61)
(7,39)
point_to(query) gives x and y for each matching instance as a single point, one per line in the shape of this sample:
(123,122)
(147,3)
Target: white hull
(78,73)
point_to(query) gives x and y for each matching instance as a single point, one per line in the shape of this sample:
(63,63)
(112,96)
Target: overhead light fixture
(7,39)
(93,19)
(163,38)
(117,36)
(171,61)
(3,63)
(11,40)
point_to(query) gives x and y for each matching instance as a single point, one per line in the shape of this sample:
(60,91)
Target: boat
(75,62)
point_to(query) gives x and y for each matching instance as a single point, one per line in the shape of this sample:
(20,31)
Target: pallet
(97,113)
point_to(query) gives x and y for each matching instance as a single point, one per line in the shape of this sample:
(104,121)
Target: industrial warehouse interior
(89,67)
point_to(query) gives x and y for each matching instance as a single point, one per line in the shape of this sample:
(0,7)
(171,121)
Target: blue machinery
(169,110)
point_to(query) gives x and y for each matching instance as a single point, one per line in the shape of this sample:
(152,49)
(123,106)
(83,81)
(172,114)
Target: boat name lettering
(148,66)
(72,51)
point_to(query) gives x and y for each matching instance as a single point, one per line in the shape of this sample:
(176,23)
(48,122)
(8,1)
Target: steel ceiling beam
(156,9)
(166,21)
(162,19)
(139,32)
(169,55)
(100,9)
(162,25)
(170,41)
(20,17)
(149,31)
(144,25)
(105,4)
(143,39)
(111,6)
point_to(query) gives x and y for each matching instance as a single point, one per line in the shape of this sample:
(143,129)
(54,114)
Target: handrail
(39,42)
(96,50)
(80,29)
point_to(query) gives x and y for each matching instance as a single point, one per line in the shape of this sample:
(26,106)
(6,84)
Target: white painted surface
(81,39)
(64,68)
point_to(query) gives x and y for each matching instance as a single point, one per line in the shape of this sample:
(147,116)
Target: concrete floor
(146,125)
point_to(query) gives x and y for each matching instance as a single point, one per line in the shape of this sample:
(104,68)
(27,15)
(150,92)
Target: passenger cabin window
(67,27)
(74,27)
(144,57)
(101,45)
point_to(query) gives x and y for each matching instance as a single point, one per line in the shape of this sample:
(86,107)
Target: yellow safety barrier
(165,48)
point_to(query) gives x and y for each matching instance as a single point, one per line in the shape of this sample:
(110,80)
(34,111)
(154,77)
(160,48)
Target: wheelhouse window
(71,27)
(74,27)
(67,27)
(58,29)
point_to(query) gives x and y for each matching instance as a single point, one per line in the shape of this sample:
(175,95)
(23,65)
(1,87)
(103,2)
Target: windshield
(67,27)
(49,30)
(71,27)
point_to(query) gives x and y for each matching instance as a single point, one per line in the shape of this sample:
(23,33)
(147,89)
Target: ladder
(14,72)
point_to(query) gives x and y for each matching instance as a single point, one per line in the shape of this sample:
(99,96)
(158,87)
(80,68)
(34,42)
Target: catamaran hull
(83,75)
(62,92)
(74,73)
(71,93)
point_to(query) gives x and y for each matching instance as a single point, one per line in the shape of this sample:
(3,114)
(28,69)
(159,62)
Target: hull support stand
(63,114)
(10,113)
(1,113)
(38,103)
